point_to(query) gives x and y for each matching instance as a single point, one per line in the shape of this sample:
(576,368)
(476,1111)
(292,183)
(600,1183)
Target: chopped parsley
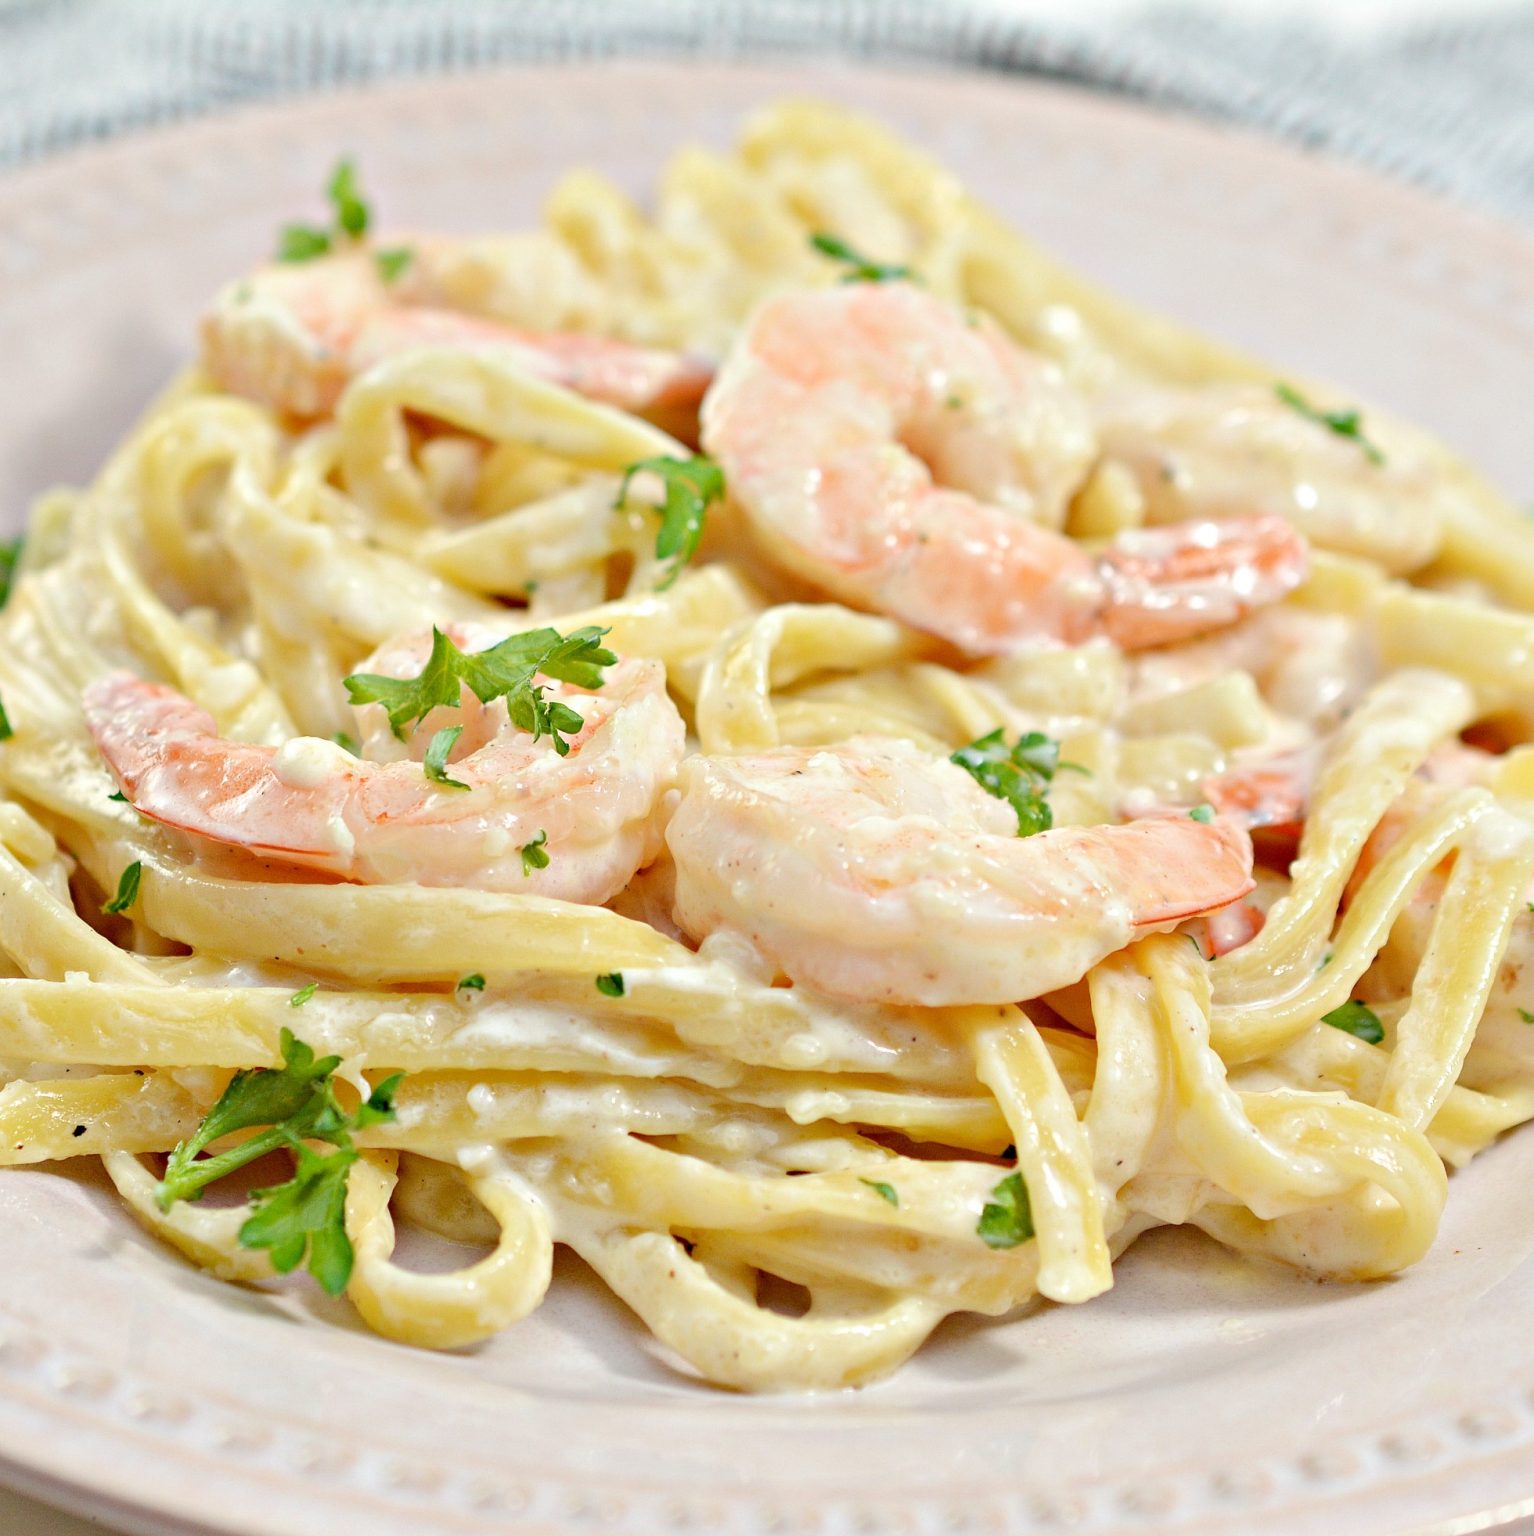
(10,553)
(117,794)
(302,242)
(1007,1219)
(611,985)
(883,1191)
(435,763)
(302,996)
(348,743)
(351,216)
(304,1218)
(1019,774)
(1349,424)
(534,854)
(393,261)
(127,889)
(1354,1018)
(691,487)
(1202,813)
(5,725)
(1526,1016)
(473,982)
(859,268)
(504,671)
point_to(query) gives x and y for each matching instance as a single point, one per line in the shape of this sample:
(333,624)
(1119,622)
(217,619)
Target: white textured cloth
(1435,90)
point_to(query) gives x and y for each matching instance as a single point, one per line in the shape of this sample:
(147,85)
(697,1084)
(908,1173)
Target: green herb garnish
(1349,424)
(691,487)
(10,554)
(117,794)
(859,268)
(346,198)
(1202,813)
(473,982)
(1526,1016)
(504,671)
(393,261)
(1353,1018)
(883,1191)
(305,242)
(534,854)
(1019,774)
(348,743)
(5,725)
(127,889)
(435,761)
(1007,1219)
(306,1216)
(611,985)
(302,996)
(302,242)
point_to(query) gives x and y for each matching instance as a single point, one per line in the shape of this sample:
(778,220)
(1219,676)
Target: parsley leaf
(348,743)
(473,982)
(1353,1018)
(1526,1016)
(1348,424)
(302,996)
(127,889)
(306,1216)
(10,554)
(611,985)
(115,795)
(435,762)
(393,261)
(503,671)
(305,242)
(534,855)
(1007,1218)
(691,487)
(860,268)
(346,198)
(1203,814)
(5,725)
(883,1191)
(302,242)
(1019,774)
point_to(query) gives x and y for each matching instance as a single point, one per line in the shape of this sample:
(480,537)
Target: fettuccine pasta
(781,741)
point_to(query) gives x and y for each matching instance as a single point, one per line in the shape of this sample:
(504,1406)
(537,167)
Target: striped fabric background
(1440,91)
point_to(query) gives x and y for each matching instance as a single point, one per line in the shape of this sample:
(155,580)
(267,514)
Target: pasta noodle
(787,1009)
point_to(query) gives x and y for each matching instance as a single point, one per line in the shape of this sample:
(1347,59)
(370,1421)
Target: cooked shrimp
(292,337)
(872,870)
(310,803)
(1269,796)
(1232,452)
(912,460)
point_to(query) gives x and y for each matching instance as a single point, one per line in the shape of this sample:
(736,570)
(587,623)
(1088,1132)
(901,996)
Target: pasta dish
(780,740)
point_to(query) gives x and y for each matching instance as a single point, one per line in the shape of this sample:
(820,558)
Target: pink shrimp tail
(1168,584)
(1177,867)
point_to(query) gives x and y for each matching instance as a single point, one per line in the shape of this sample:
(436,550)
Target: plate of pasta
(690,842)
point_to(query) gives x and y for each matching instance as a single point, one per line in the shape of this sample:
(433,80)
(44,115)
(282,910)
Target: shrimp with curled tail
(293,336)
(872,870)
(381,821)
(910,459)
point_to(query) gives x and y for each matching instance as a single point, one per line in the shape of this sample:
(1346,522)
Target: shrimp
(1233,451)
(908,459)
(873,871)
(293,336)
(594,813)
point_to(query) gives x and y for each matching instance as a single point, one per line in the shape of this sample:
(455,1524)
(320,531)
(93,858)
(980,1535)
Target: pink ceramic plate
(1201,1395)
